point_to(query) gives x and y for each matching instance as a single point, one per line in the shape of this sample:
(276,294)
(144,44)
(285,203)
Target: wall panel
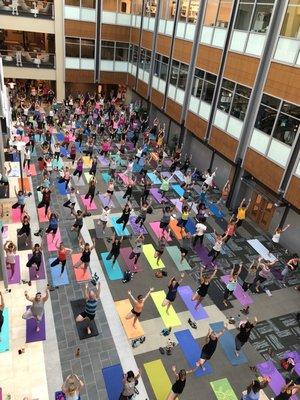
(293,192)
(113,77)
(241,68)
(146,41)
(142,88)
(196,125)
(135,35)
(80,29)
(173,110)
(208,58)
(118,34)
(223,143)
(72,75)
(182,50)
(163,45)
(131,81)
(157,98)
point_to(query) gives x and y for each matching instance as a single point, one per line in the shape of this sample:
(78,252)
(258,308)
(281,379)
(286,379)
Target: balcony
(28,8)
(27,59)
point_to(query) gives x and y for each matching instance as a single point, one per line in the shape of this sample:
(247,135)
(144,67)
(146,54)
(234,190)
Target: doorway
(261,210)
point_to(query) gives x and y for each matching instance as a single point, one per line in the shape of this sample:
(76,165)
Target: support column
(59,49)
(98,42)
(291,166)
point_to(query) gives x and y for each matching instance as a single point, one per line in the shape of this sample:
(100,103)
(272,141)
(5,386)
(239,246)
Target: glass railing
(27,8)
(29,59)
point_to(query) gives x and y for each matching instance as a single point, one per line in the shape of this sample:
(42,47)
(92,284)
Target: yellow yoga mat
(149,252)
(171,319)
(86,161)
(158,378)
(87,176)
(123,307)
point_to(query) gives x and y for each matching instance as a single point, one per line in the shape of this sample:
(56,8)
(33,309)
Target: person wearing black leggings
(125,215)
(62,253)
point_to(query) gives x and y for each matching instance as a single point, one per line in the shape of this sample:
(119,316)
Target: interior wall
(74,88)
(223,172)
(200,153)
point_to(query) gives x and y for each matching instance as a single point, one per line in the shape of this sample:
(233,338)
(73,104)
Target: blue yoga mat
(214,209)
(228,345)
(64,152)
(136,167)
(60,137)
(61,188)
(119,227)
(15,157)
(178,189)
(33,153)
(113,377)
(190,226)
(105,176)
(4,344)
(153,178)
(78,147)
(192,351)
(114,273)
(58,280)
(37,138)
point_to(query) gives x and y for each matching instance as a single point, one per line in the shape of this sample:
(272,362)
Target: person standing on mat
(53,225)
(232,284)
(179,385)
(172,292)
(103,218)
(21,199)
(185,213)
(46,198)
(79,168)
(91,191)
(210,346)
(62,253)
(241,213)
(230,230)
(162,242)
(276,238)
(93,168)
(110,190)
(199,235)
(36,259)
(141,218)
(115,249)
(202,290)
(4,179)
(10,251)
(91,303)
(25,230)
(129,383)
(264,268)
(2,305)
(242,337)
(165,185)
(216,249)
(72,200)
(128,192)
(292,265)
(85,255)
(36,310)
(253,390)
(137,248)
(138,306)
(185,245)
(288,390)
(125,215)
(72,387)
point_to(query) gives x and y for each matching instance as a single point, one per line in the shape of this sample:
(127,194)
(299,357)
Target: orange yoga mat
(80,274)
(26,184)
(176,229)
(123,307)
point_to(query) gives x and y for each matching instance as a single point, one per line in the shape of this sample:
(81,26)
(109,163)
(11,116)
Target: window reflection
(291,23)
(254,15)
(161,66)
(204,85)
(218,13)
(234,99)
(150,8)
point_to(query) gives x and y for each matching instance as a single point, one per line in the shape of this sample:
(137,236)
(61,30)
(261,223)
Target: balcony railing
(29,59)
(28,8)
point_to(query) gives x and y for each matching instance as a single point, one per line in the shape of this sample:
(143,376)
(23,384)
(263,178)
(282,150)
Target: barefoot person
(10,251)
(129,384)
(172,292)
(91,302)
(242,337)
(179,385)
(36,310)
(85,255)
(232,284)
(62,253)
(36,259)
(210,346)
(72,387)
(202,290)
(138,306)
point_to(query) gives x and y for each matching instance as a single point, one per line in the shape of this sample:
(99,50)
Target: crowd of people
(60,136)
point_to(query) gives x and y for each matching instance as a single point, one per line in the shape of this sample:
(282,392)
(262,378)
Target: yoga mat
(223,390)
(61,188)
(243,297)
(137,230)
(186,293)
(192,351)
(125,253)
(153,178)
(157,196)
(178,189)
(176,229)
(119,197)
(32,170)
(113,377)
(119,227)
(215,210)
(103,161)
(296,356)
(32,271)
(5,230)
(60,137)
(41,214)
(105,201)
(87,162)
(158,378)
(26,184)
(78,306)
(64,152)
(171,319)
(179,175)
(167,174)
(227,343)
(114,272)
(86,203)
(80,274)
(123,307)
(59,396)
(175,254)
(57,164)
(190,226)
(78,182)
(261,250)
(136,167)
(158,231)
(124,178)
(149,252)
(87,176)
(17,274)
(4,343)
(58,280)
(51,244)
(16,215)
(105,176)
(168,162)
(31,334)
(21,242)
(202,253)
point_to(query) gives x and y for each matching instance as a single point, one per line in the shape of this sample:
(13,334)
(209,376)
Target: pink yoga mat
(124,178)
(158,231)
(16,278)
(16,214)
(125,252)
(32,271)
(32,170)
(57,239)
(86,203)
(243,297)
(41,214)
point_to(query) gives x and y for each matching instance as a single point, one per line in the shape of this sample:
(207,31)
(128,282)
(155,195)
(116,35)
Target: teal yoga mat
(114,272)
(4,344)
(119,227)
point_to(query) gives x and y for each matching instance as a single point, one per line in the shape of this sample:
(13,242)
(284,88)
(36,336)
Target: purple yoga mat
(158,197)
(32,271)
(103,161)
(0,394)
(186,294)
(243,297)
(202,253)
(296,356)
(17,275)
(31,334)
(168,162)
(125,252)
(137,230)
(105,201)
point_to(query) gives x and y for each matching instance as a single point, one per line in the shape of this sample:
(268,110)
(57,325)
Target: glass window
(226,84)
(135,55)
(291,109)
(122,51)
(291,23)
(208,91)
(239,106)
(130,53)
(147,61)
(224,13)
(243,90)
(157,64)
(124,6)
(210,77)
(183,71)
(244,14)
(225,100)
(183,10)
(265,119)
(87,48)
(174,73)
(107,50)
(72,47)
(197,87)
(150,8)
(88,3)
(142,57)
(168,9)
(270,101)
(193,11)
(262,15)
(137,7)
(211,12)
(164,68)
(286,129)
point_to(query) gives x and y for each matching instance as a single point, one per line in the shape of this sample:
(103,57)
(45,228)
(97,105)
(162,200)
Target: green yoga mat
(4,344)
(175,254)
(158,378)
(223,390)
